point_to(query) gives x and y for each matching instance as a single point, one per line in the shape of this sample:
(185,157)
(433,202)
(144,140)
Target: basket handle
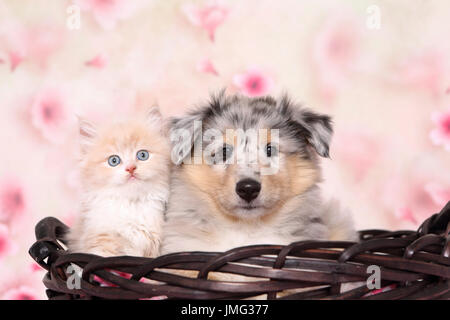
(437,223)
(49,231)
(50,228)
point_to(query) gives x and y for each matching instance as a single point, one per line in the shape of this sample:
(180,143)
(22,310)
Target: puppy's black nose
(248,189)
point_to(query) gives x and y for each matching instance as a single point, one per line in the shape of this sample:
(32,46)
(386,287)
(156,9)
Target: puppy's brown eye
(227,150)
(271,150)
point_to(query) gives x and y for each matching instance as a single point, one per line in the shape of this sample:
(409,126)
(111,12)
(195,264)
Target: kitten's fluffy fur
(121,215)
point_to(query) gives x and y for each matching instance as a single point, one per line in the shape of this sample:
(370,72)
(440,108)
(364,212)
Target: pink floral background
(387,88)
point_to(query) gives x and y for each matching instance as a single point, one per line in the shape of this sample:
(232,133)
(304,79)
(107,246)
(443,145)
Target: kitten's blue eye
(114,161)
(143,155)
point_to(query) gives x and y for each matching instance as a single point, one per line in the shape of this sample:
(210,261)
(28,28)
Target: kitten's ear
(87,133)
(320,131)
(155,119)
(153,115)
(184,134)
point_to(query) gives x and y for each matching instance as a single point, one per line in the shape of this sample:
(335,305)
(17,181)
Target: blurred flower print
(35,43)
(335,53)
(356,150)
(13,200)
(208,16)
(206,66)
(440,135)
(425,70)
(253,82)
(49,114)
(412,198)
(99,61)
(438,192)
(108,13)
(386,89)
(7,245)
(20,293)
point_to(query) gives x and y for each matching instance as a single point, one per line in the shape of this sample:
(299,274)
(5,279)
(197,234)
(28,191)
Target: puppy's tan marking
(208,183)
(302,174)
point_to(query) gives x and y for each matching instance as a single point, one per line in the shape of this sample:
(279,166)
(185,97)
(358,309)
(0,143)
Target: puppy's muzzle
(248,189)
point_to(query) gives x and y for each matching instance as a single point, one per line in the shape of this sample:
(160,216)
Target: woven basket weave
(413,265)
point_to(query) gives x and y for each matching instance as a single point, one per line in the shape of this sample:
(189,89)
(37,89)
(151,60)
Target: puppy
(247,173)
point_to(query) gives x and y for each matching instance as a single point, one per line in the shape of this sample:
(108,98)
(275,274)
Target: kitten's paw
(102,252)
(105,245)
(153,248)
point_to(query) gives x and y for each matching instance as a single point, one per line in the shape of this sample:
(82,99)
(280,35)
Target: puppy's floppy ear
(320,130)
(184,134)
(87,133)
(318,127)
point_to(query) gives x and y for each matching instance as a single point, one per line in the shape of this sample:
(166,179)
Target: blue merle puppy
(247,173)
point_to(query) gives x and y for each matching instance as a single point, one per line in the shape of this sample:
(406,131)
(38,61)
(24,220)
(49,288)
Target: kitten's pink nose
(131,168)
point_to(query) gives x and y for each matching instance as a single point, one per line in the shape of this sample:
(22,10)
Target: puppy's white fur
(190,225)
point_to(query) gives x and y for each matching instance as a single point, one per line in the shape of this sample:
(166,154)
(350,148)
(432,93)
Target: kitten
(125,179)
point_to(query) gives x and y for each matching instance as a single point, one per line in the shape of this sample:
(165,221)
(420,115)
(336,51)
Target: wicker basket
(413,265)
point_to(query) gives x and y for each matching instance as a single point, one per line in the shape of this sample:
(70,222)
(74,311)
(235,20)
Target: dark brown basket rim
(413,265)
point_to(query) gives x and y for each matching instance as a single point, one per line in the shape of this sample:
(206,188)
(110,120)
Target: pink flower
(441,134)
(406,214)
(15,58)
(424,70)
(43,41)
(35,43)
(357,151)
(13,200)
(99,62)
(14,42)
(20,293)
(409,197)
(439,193)
(207,66)
(253,83)
(335,52)
(7,246)
(49,114)
(207,17)
(34,267)
(108,12)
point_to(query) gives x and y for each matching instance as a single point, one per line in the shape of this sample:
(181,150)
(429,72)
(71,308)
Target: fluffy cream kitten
(125,178)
